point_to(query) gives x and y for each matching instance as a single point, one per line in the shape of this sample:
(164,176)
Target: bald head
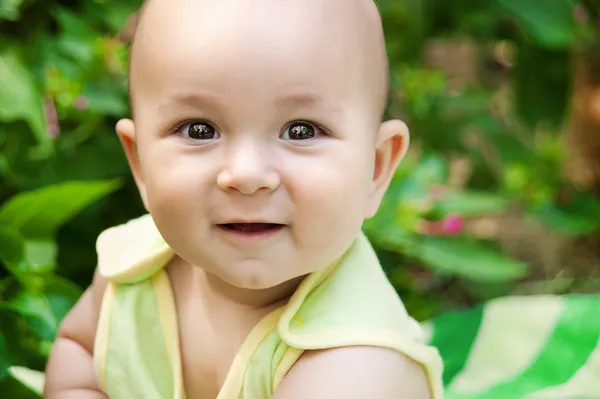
(343,38)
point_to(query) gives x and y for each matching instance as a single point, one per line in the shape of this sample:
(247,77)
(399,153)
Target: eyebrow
(192,100)
(308,101)
(303,100)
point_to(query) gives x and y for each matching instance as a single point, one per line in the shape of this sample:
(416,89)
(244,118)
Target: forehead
(227,46)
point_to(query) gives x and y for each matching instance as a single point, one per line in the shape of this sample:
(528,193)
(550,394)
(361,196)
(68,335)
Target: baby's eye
(301,131)
(199,131)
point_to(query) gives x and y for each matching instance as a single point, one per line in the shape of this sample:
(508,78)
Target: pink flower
(452,225)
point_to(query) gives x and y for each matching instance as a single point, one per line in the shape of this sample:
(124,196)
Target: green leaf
(76,37)
(471,203)
(549,23)
(19,97)
(566,223)
(467,259)
(45,308)
(106,99)
(12,247)
(41,255)
(20,348)
(9,9)
(32,379)
(36,310)
(26,256)
(4,357)
(39,213)
(578,215)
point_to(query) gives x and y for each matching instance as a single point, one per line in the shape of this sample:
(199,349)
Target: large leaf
(467,259)
(9,9)
(44,308)
(19,97)
(519,340)
(39,213)
(549,23)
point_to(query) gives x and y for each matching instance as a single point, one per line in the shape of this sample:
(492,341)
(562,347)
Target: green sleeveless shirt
(137,352)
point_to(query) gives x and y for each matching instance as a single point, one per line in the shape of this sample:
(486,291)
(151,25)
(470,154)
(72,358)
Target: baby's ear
(392,144)
(126,131)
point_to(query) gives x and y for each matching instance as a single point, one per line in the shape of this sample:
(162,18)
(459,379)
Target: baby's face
(256,133)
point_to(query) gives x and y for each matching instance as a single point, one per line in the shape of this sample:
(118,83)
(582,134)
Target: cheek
(173,181)
(328,213)
(333,190)
(174,184)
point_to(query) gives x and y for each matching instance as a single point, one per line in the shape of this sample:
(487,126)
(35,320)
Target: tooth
(245,227)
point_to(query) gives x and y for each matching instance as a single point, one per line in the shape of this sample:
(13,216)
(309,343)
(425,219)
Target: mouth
(250,234)
(251,228)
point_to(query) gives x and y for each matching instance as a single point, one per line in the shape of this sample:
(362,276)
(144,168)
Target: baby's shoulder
(131,252)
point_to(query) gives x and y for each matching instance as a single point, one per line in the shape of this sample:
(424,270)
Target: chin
(254,275)
(251,282)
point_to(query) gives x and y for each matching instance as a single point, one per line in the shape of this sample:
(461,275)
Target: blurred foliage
(481,83)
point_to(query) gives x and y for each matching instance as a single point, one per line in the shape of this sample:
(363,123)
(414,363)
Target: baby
(258,149)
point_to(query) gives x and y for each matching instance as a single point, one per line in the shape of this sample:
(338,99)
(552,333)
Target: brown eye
(300,131)
(200,131)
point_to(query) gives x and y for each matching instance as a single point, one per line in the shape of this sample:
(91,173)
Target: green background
(481,208)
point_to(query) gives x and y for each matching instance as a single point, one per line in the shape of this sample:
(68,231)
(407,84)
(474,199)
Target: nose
(247,170)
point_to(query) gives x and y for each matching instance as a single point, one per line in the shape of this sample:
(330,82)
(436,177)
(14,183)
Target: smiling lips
(250,228)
